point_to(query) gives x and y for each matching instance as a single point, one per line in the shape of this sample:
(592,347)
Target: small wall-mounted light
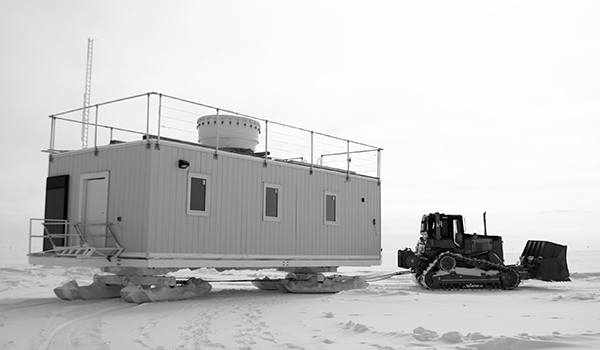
(183,164)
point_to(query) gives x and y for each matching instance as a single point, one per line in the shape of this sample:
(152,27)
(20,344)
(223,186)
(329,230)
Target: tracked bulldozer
(448,258)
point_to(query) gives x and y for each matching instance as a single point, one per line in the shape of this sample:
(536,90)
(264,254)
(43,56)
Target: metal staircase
(84,249)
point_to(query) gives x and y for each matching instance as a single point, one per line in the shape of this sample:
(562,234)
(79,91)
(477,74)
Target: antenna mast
(86,95)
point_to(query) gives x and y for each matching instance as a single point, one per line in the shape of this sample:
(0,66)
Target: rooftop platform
(159,118)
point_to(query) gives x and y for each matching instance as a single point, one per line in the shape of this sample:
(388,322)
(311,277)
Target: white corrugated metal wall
(149,193)
(236,225)
(128,195)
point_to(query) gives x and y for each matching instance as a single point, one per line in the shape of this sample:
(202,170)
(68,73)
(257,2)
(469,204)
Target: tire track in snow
(82,332)
(27,305)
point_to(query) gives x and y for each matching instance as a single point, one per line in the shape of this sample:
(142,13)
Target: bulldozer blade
(546,261)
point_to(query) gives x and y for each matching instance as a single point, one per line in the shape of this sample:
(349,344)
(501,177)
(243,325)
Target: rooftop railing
(156,117)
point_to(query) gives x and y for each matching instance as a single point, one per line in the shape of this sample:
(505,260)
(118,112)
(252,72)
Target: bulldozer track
(512,276)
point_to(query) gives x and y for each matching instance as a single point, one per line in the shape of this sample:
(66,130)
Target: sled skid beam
(134,288)
(195,287)
(97,290)
(140,280)
(311,283)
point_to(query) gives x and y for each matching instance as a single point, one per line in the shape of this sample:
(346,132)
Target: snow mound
(423,334)
(478,341)
(580,296)
(356,327)
(591,276)
(525,342)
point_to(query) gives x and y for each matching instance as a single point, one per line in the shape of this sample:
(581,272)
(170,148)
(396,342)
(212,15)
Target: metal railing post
(159,121)
(312,149)
(52,135)
(96,133)
(217,145)
(379,165)
(266,142)
(348,160)
(148,121)
(30,236)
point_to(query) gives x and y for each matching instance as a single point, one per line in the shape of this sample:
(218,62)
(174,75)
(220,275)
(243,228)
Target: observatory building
(244,193)
(228,200)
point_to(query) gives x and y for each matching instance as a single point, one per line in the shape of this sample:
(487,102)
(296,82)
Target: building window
(272,202)
(330,208)
(198,195)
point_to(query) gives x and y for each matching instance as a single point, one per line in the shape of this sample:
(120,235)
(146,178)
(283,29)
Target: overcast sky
(478,105)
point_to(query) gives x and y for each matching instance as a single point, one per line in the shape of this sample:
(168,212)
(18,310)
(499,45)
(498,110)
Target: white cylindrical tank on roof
(233,131)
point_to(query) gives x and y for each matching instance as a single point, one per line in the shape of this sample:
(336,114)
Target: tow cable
(374,278)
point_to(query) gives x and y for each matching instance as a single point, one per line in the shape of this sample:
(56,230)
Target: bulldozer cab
(442,227)
(443,232)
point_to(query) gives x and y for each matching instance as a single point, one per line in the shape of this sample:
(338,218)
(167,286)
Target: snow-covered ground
(389,314)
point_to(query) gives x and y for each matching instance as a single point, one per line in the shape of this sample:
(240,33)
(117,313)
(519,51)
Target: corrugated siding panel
(206,166)
(228,236)
(237,196)
(253,206)
(216,209)
(244,191)
(127,190)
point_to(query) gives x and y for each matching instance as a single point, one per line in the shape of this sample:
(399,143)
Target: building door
(57,208)
(94,200)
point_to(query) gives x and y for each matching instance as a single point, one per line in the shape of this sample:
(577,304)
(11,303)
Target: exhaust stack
(484,224)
